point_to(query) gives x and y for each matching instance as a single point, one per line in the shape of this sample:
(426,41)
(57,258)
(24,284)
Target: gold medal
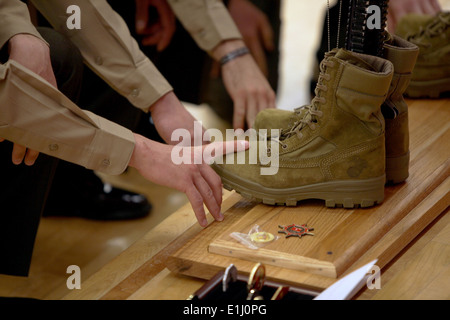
(256,282)
(262,237)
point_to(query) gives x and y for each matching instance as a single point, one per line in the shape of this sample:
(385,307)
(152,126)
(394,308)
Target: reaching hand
(199,182)
(246,85)
(160,31)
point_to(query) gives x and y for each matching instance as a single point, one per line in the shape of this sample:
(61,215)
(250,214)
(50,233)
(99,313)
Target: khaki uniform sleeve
(108,49)
(36,115)
(208,21)
(15,19)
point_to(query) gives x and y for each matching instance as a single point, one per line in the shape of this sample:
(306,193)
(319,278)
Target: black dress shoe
(78,192)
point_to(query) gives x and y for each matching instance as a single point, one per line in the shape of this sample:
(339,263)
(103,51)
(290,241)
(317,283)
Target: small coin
(262,237)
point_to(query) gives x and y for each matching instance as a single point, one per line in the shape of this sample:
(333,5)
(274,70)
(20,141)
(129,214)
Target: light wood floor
(62,242)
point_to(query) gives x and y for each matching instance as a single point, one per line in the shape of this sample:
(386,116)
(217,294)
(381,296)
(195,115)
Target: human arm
(26,46)
(35,114)
(214,30)
(247,86)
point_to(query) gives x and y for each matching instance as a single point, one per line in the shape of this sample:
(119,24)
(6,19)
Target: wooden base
(344,239)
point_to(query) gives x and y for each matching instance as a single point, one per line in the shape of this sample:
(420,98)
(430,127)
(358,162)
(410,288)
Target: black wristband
(233,55)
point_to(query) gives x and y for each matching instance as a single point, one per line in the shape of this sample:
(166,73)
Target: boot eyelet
(284,146)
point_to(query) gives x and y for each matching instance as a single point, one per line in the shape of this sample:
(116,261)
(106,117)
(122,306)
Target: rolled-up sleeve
(109,49)
(208,21)
(36,115)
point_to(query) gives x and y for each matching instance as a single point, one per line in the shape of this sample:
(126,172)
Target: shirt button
(53,147)
(99,60)
(134,93)
(202,33)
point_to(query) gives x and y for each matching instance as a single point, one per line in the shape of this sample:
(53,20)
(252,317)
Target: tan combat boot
(431,75)
(336,151)
(403,55)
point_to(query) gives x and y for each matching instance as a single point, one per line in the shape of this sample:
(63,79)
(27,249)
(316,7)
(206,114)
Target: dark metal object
(360,38)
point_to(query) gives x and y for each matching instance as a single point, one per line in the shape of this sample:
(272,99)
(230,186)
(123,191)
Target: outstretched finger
(239,112)
(196,200)
(218,149)
(252,109)
(209,197)
(214,182)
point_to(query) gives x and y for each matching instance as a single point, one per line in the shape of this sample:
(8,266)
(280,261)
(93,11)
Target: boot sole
(345,193)
(428,89)
(397,169)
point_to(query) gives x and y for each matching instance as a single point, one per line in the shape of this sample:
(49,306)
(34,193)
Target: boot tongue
(351,58)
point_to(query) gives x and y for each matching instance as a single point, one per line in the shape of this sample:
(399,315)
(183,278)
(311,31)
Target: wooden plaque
(344,239)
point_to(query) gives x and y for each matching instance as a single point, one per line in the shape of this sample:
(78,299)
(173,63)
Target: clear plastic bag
(255,238)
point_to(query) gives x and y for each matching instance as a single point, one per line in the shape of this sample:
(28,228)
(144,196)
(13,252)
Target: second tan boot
(403,54)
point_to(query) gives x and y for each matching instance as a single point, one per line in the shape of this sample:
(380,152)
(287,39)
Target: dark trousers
(23,189)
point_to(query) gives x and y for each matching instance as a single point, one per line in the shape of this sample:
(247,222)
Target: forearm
(208,22)
(35,114)
(109,50)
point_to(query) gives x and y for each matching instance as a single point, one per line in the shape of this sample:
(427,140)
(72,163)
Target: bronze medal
(294,230)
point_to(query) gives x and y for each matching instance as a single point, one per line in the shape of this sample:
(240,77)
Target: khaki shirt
(36,115)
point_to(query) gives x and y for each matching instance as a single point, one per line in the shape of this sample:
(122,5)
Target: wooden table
(419,271)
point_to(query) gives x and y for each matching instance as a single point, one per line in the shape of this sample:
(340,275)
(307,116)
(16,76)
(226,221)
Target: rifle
(359,38)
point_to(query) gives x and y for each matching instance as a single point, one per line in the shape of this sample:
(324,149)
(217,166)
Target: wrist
(25,40)
(227,47)
(138,145)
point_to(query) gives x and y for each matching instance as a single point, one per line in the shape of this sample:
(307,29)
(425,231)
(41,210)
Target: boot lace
(433,29)
(310,112)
